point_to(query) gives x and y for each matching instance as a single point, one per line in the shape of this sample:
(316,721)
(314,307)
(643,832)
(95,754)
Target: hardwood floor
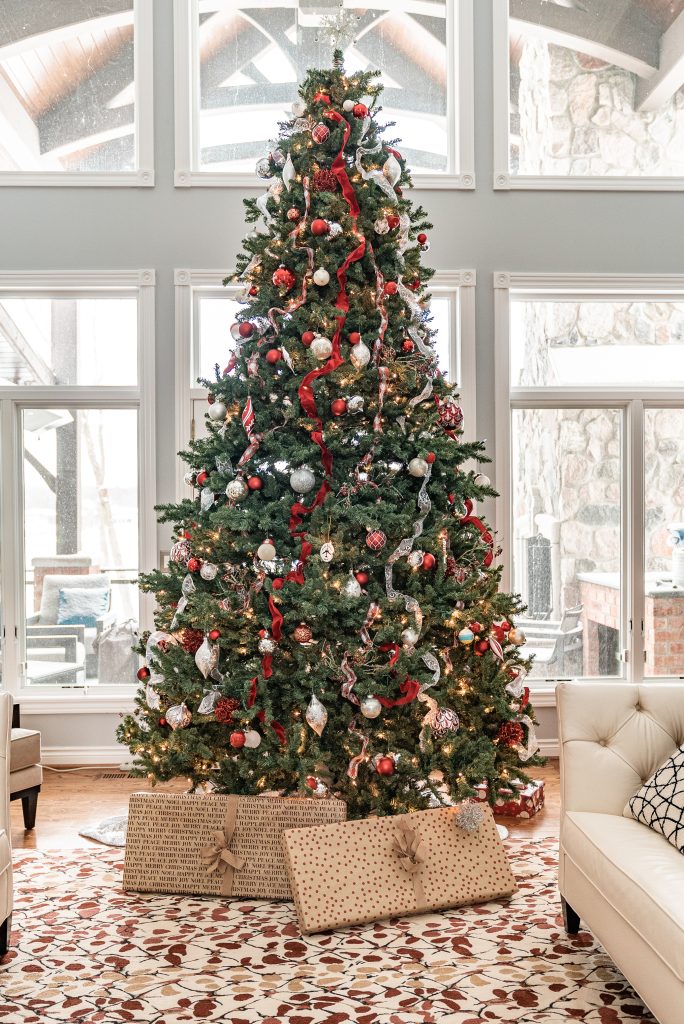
(69,801)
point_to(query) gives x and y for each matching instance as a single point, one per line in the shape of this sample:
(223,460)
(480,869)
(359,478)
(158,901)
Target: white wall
(164,228)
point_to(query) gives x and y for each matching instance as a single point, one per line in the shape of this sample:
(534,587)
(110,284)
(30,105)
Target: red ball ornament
(422,238)
(254,290)
(481,647)
(211,399)
(338,407)
(246,330)
(429,561)
(354,338)
(393,221)
(320,133)
(143,673)
(505,626)
(277,583)
(324,181)
(391,288)
(361,578)
(284,279)
(273,356)
(414,285)
(360,110)
(511,734)
(202,478)
(476,627)
(237,740)
(302,634)
(293,214)
(376,540)
(162,722)
(322,97)
(385,766)
(319,226)
(194,565)
(214,634)
(311,782)
(407,345)
(430,457)
(255,483)
(307,338)
(225,708)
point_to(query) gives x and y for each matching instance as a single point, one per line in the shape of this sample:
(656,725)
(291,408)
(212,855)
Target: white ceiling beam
(19,134)
(617,36)
(661,87)
(24,349)
(65,32)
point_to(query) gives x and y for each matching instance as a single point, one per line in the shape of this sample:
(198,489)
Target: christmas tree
(331,620)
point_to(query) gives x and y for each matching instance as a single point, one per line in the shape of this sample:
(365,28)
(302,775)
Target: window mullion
(633,538)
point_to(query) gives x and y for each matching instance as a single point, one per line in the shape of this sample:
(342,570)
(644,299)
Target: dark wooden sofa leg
(5,932)
(29,805)
(570,918)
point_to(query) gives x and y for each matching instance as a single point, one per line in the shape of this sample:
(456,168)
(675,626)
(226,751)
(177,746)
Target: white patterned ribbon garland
(431,662)
(349,680)
(358,759)
(403,550)
(375,175)
(383,377)
(371,616)
(429,719)
(296,303)
(532,746)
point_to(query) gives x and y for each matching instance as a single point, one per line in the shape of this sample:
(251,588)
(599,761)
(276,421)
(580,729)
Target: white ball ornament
(335,229)
(370,707)
(236,490)
(321,277)
(298,108)
(482,480)
(348,106)
(417,467)
(302,480)
(352,587)
(252,739)
(355,404)
(208,571)
(409,637)
(217,412)
(321,347)
(266,645)
(415,559)
(266,551)
(360,355)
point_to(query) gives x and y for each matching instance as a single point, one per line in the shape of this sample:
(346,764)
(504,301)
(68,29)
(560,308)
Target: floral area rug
(84,951)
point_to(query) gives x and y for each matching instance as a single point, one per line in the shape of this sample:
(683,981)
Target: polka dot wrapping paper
(360,871)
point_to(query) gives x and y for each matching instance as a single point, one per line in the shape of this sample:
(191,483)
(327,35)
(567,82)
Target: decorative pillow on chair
(82,606)
(660,801)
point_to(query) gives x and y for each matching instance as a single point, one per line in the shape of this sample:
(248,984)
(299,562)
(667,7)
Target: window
(238,66)
(76,92)
(77,457)
(589,95)
(590,467)
(205,310)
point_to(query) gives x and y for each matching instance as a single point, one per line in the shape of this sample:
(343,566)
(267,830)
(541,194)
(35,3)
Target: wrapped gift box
(216,845)
(519,800)
(360,871)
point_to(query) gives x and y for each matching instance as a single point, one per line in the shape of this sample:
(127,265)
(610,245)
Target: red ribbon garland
(297,575)
(485,535)
(410,689)
(394,648)
(338,167)
(276,726)
(251,696)
(276,619)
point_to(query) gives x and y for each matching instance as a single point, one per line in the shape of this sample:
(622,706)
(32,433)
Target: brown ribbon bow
(412,852)
(219,857)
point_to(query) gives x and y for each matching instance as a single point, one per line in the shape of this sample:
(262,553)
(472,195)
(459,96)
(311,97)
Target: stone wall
(575,116)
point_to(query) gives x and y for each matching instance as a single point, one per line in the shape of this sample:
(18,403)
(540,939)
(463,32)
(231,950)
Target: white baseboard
(549,748)
(77,756)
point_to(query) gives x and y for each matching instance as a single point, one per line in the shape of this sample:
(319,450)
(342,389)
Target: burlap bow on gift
(219,857)
(412,855)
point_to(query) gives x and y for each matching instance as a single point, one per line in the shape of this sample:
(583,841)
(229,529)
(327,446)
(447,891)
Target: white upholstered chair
(5,828)
(622,879)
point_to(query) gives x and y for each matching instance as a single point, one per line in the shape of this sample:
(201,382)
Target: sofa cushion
(24,749)
(637,872)
(660,801)
(54,582)
(82,606)
(26,778)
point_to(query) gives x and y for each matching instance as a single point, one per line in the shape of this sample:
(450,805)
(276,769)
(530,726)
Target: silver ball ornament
(217,411)
(352,587)
(236,490)
(370,707)
(355,404)
(360,355)
(415,559)
(298,108)
(302,480)
(263,168)
(208,571)
(381,226)
(418,467)
(482,480)
(266,645)
(321,347)
(409,637)
(321,277)
(335,230)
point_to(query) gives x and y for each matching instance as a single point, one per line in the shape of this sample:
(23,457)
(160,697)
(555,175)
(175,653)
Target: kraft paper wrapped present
(211,844)
(360,871)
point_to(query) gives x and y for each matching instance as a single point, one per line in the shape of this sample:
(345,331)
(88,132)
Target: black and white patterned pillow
(660,801)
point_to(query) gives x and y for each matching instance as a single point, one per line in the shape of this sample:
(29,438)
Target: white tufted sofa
(623,880)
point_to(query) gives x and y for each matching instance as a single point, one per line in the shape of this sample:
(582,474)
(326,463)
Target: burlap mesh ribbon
(412,853)
(219,857)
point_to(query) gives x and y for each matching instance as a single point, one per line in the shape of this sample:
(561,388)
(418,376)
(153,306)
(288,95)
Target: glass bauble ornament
(266,551)
(237,489)
(302,480)
(466,637)
(206,657)
(348,106)
(189,479)
(181,551)
(263,168)
(302,124)
(355,404)
(209,571)
(482,480)
(381,226)
(417,467)
(335,229)
(321,347)
(278,158)
(316,715)
(415,558)
(321,277)
(320,133)
(178,717)
(370,707)
(446,722)
(302,634)
(252,739)
(267,645)
(517,637)
(409,637)
(352,587)
(360,355)
(298,107)
(376,540)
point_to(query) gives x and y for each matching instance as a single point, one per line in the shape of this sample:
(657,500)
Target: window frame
(503,180)
(52,699)
(459,285)
(631,401)
(460,116)
(143,175)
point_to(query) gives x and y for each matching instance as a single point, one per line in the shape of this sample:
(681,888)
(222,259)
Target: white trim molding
(631,401)
(460,115)
(503,179)
(143,174)
(85,757)
(458,285)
